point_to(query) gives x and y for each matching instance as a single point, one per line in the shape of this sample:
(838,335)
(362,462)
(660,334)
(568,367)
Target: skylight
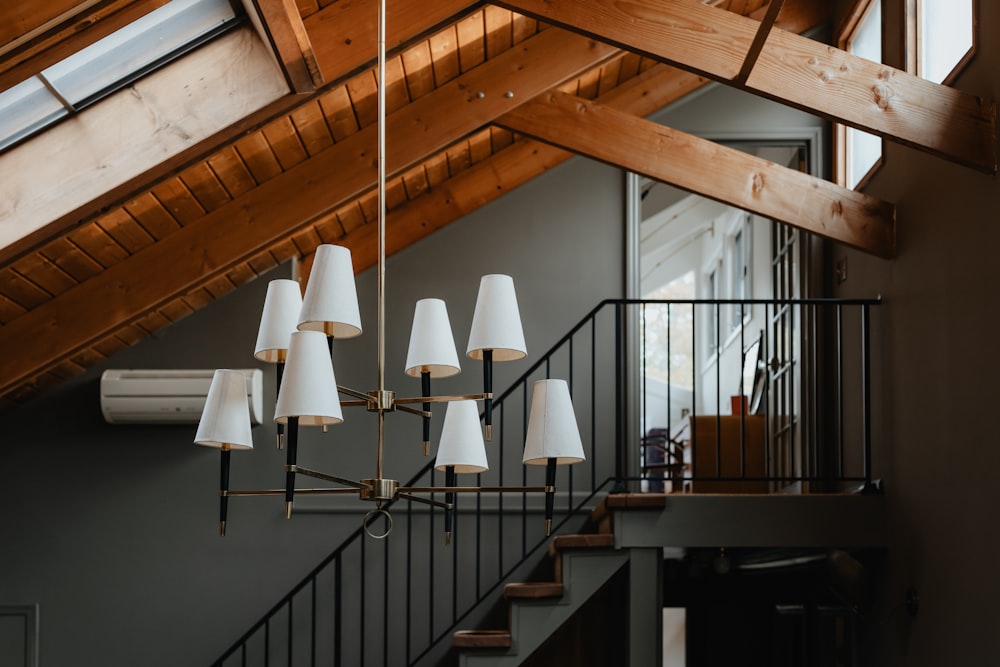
(108,65)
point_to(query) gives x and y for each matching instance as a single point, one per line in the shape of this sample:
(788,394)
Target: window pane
(867,40)
(26,108)
(863,150)
(945,36)
(136,46)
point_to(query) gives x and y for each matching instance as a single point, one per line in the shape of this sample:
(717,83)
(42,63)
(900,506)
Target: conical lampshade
(432,347)
(278,320)
(225,420)
(331,301)
(496,323)
(308,388)
(462,439)
(552,428)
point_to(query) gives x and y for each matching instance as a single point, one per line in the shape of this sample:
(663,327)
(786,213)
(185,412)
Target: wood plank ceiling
(302,172)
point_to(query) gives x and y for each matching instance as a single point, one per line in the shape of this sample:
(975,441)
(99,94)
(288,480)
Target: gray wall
(112,530)
(938,354)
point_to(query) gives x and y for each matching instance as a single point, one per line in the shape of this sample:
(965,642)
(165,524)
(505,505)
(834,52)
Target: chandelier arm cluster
(297,333)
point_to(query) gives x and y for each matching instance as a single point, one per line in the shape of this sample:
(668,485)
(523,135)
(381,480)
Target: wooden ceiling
(481,98)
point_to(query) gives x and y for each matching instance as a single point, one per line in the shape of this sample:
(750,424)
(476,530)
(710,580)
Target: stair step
(632,501)
(584,541)
(533,590)
(481,639)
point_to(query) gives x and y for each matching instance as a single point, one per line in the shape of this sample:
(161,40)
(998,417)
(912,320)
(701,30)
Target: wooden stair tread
(623,501)
(582,541)
(533,590)
(481,639)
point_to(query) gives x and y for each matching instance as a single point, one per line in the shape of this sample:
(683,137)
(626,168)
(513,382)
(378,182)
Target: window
(739,270)
(858,152)
(712,291)
(942,37)
(108,65)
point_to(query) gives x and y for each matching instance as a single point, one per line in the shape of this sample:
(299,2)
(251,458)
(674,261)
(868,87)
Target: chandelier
(297,333)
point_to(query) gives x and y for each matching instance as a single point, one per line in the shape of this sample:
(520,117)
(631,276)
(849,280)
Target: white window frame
(914,42)
(740,263)
(713,279)
(846,138)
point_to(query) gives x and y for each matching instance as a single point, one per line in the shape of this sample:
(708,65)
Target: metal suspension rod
(380,445)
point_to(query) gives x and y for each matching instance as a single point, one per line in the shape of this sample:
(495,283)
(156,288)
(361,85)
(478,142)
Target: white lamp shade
(308,387)
(432,346)
(331,301)
(462,439)
(278,320)
(552,428)
(496,323)
(225,420)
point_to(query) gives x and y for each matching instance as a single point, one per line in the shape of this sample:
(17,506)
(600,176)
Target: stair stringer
(584,572)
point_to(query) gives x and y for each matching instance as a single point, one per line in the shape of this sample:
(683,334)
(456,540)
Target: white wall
(112,530)
(937,444)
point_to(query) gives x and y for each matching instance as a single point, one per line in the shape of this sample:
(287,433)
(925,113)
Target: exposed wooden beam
(527,158)
(709,169)
(349,28)
(126,133)
(791,69)
(233,233)
(280,27)
(36,35)
(339,56)
(759,39)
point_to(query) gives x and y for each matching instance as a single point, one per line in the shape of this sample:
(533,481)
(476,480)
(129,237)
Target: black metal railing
(780,399)
(394,601)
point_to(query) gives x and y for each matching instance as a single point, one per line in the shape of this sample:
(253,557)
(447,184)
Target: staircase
(400,601)
(582,563)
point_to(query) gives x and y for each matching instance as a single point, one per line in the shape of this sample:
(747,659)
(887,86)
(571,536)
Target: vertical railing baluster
(569,484)
(840,390)
(524,476)
(866,400)
(409,577)
(766,397)
(363,599)
(430,578)
(743,412)
(338,609)
(718,391)
(593,400)
(814,366)
(619,402)
(668,454)
(479,528)
(500,541)
(454,562)
(694,388)
(312,624)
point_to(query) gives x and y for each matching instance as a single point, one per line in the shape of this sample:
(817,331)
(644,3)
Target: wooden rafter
(280,27)
(235,232)
(791,69)
(709,169)
(759,39)
(344,33)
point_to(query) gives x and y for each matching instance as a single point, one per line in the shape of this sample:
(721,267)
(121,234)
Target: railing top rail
(875,301)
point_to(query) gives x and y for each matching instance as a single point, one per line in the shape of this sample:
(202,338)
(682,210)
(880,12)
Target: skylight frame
(192,24)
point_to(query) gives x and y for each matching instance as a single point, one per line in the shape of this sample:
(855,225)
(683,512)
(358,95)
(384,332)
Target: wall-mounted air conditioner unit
(167,396)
